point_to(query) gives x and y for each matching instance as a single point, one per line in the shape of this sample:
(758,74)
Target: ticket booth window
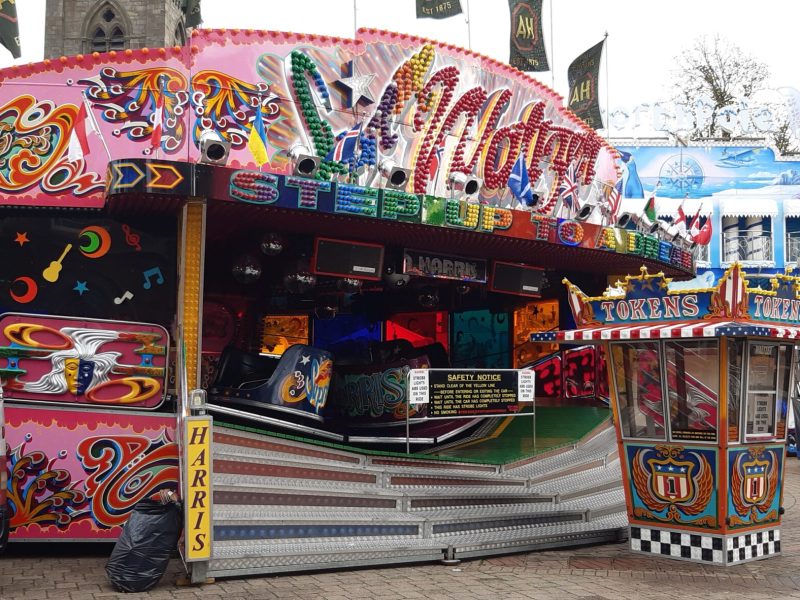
(637,372)
(736,353)
(693,389)
(768,371)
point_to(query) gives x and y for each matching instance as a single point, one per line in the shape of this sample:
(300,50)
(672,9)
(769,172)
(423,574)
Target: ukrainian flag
(257,142)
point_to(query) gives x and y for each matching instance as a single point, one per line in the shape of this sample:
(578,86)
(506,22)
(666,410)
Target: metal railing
(744,247)
(793,247)
(702,254)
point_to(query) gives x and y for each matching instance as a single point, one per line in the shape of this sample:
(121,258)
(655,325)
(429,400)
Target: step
(449,480)
(581,479)
(397,464)
(236,559)
(271,445)
(238,464)
(252,493)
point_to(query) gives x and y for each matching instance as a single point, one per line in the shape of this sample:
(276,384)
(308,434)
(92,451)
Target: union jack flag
(345,147)
(569,188)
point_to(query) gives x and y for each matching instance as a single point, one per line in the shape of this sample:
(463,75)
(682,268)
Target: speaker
(213,149)
(518,279)
(341,258)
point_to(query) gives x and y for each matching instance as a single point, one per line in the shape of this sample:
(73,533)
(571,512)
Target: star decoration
(355,86)
(80,287)
(22,238)
(305,360)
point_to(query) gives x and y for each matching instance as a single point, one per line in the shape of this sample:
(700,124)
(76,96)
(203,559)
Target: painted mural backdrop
(701,172)
(77,475)
(91,266)
(79,361)
(755,485)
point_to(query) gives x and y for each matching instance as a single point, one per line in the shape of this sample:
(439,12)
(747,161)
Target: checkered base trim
(753,546)
(709,549)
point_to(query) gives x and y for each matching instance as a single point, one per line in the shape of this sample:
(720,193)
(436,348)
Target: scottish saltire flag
(569,188)
(345,147)
(257,141)
(519,183)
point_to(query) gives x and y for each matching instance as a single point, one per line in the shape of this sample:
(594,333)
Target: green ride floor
(512,437)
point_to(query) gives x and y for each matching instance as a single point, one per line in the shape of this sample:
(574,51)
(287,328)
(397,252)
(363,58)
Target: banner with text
(583,76)
(527,42)
(438,9)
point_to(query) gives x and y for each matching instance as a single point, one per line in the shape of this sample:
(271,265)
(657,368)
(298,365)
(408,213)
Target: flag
(569,188)
(583,76)
(257,141)
(9,28)
(527,42)
(519,183)
(158,121)
(694,225)
(438,9)
(436,161)
(615,201)
(78,139)
(345,147)
(650,209)
(191,8)
(681,221)
(703,234)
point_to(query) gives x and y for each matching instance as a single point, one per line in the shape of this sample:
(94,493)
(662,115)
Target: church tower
(86,26)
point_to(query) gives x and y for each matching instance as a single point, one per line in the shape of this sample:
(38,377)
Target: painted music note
(126,296)
(150,273)
(132,239)
(51,273)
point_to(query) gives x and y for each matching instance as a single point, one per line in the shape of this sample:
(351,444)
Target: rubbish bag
(141,554)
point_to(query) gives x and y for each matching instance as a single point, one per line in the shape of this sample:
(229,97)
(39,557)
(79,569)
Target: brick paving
(606,572)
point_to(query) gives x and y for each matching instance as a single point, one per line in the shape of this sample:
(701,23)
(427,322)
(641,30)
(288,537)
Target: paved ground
(601,572)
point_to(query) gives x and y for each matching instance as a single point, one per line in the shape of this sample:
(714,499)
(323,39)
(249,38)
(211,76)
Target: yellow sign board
(197,500)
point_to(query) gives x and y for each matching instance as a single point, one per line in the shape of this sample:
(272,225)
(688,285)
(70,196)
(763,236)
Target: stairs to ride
(282,505)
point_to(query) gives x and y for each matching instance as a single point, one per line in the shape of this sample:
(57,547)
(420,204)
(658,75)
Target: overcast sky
(644,36)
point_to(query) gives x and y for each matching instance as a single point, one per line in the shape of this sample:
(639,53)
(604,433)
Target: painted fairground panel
(673,485)
(310,92)
(755,478)
(76,475)
(90,267)
(81,361)
(480,340)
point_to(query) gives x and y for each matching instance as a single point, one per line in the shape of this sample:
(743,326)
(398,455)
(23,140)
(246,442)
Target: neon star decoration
(355,86)
(22,238)
(80,287)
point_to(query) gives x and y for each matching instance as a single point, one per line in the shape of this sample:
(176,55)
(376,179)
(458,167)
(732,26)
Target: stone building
(85,26)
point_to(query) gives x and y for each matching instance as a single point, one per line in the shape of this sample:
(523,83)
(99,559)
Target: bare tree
(717,70)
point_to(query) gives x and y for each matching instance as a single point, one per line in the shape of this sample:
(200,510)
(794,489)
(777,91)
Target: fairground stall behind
(701,382)
(290,224)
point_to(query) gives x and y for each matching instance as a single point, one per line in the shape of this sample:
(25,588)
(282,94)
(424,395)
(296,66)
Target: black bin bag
(141,554)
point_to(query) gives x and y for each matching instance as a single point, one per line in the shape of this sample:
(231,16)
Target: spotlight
(467,185)
(304,163)
(213,149)
(586,211)
(396,177)
(624,219)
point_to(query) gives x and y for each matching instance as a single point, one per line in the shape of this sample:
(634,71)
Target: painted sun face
(78,374)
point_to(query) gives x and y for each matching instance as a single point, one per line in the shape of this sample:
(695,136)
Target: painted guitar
(51,273)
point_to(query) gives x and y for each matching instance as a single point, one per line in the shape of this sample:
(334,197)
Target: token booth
(701,383)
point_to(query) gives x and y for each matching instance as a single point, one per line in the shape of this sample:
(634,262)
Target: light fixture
(586,210)
(197,399)
(304,163)
(213,149)
(624,219)
(467,185)
(396,177)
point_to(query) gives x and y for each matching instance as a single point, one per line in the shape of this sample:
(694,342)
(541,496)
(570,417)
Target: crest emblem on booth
(671,484)
(754,486)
